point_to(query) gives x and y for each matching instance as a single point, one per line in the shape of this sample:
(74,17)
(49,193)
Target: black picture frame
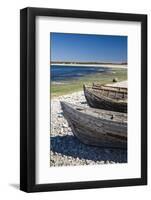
(28,99)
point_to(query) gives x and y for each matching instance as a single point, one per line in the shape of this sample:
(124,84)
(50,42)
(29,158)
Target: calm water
(64,73)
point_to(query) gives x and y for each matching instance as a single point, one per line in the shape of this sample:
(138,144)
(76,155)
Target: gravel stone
(66,149)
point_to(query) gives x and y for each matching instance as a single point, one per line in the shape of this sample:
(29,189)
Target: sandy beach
(66,149)
(124,66)
(123,84)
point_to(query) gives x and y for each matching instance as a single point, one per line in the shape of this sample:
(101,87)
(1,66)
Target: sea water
(66,72)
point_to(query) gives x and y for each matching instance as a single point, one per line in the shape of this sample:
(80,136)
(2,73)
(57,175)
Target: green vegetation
(77,85)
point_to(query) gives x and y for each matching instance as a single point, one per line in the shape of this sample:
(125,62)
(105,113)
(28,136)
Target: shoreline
(61,87)
(123,84)
(122,66)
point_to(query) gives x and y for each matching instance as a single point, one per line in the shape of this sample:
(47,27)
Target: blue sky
(86,47)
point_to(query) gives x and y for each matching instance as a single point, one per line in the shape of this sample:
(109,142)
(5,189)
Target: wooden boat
(97,127)
(106,98)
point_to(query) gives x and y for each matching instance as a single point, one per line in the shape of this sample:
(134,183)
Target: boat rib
(111,88)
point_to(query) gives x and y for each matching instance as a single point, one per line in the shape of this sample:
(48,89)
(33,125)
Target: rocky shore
(66,149)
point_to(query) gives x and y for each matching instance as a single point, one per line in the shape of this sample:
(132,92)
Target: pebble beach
(66,149)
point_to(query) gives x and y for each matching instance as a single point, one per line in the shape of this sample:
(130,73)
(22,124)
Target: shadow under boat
(69,145)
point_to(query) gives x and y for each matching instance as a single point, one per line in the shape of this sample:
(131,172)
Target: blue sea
(65,73)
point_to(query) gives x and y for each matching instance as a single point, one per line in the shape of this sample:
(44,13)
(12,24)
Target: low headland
(91,64)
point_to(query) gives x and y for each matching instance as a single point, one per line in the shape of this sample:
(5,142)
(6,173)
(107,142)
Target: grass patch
(71,86)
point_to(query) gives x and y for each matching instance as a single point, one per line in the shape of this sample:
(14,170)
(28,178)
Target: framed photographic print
(83,95)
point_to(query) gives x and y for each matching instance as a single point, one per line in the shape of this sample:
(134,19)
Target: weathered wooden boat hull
(96,100)
(97,127)
(112,88)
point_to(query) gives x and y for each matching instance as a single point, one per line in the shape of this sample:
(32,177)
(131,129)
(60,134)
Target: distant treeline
(93,63)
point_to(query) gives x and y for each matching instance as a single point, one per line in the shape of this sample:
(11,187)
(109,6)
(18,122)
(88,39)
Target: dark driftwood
(97,127)
(106,98)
